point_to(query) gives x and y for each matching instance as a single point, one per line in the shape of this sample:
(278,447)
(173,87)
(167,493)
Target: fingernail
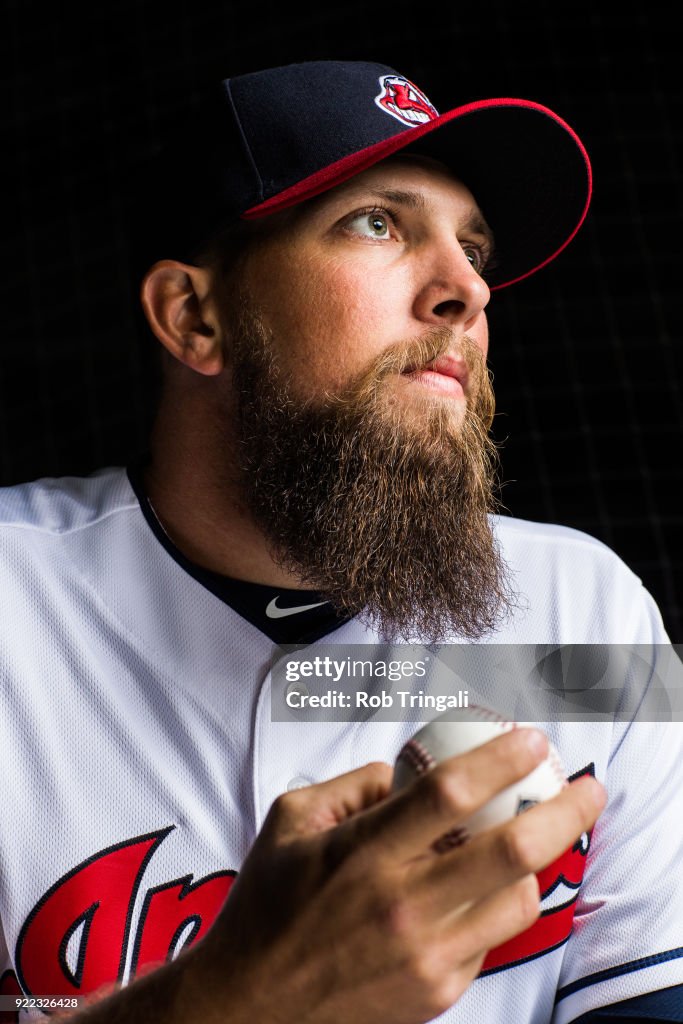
(536,741)
(597,791)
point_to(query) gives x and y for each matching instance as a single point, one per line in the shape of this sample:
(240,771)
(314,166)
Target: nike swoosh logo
(273,612)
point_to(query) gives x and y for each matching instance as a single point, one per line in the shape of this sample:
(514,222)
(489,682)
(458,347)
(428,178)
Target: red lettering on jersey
(88,909)
(9,986)
(177,915)
(75,941)
(559,886)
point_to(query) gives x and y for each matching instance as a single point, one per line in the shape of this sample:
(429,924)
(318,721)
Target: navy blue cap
(280,136)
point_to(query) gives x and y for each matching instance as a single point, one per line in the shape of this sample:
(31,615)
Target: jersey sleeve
(661,1007)
(627,938)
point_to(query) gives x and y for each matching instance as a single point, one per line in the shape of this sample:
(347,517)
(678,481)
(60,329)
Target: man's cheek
(479,333)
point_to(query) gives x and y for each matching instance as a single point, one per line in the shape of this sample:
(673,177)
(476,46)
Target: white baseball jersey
(139,757)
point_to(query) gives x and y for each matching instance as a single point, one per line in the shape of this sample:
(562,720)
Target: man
(320,470)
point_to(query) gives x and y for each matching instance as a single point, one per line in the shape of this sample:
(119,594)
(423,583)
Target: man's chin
(411,402)
(377,496)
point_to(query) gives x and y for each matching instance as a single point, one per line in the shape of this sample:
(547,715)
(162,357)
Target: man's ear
(176,298)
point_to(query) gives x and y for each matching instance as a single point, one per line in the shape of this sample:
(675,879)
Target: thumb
(323,806)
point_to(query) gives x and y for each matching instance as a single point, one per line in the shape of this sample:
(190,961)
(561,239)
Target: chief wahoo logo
(404,101)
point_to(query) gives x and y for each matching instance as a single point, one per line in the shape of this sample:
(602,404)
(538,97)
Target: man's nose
(452,292)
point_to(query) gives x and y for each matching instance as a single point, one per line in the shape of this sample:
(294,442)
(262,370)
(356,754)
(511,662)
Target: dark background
(586,354)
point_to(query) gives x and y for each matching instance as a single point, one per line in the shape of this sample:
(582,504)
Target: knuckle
(422,969)
(445,993)
(277,810)
(426,961)
(450,791)
(400,920)
(528,900)
(380,770)
(439,984)
(285,809)
(379,775)
(585,810)
(516,848)
(284,804)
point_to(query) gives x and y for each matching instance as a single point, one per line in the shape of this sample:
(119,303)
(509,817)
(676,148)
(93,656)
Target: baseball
(443,738)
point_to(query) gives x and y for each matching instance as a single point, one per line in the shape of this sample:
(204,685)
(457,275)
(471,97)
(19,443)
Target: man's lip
(447,366)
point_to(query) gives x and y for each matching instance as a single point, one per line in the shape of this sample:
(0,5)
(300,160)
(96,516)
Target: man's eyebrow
(416,201)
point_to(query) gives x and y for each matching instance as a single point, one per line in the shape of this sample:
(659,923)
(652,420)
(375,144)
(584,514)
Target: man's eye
(476,257)
(372,225)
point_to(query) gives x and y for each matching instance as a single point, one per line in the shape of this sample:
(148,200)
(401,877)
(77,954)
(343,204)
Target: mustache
(415,353)
(412,354)
(380,504)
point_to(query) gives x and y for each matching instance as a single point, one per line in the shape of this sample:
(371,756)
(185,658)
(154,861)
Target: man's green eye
(378,224)
(475,257)
(371,224)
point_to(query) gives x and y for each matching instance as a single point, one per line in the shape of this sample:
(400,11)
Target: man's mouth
(446,375)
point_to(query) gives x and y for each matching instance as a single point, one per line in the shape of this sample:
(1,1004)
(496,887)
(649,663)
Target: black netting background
(587,355)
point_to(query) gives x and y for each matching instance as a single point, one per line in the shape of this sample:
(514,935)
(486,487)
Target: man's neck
(200,510)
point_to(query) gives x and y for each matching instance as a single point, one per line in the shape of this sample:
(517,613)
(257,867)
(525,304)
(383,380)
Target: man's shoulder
(550,540)
(59,505)
(573,587)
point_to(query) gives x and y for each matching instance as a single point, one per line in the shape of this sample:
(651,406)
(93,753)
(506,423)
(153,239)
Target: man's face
(358,338)
(388,256)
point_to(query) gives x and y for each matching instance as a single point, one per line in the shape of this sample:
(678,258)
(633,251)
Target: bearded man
(320,469)
(345,430)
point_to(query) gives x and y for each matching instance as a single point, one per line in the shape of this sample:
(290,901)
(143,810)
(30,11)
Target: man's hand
(344,911)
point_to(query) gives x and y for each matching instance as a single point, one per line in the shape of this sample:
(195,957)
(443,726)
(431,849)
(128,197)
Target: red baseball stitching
(416,757)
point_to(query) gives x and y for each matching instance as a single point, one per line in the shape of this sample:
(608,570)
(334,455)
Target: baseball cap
(282,135)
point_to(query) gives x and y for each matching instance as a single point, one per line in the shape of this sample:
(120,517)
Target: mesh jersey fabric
(139,756)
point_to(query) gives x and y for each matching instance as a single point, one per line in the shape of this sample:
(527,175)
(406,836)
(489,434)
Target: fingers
(538,836)
(325,805)
(521,847)
(401,829)
(408,823)
(486,892)
(496,919)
